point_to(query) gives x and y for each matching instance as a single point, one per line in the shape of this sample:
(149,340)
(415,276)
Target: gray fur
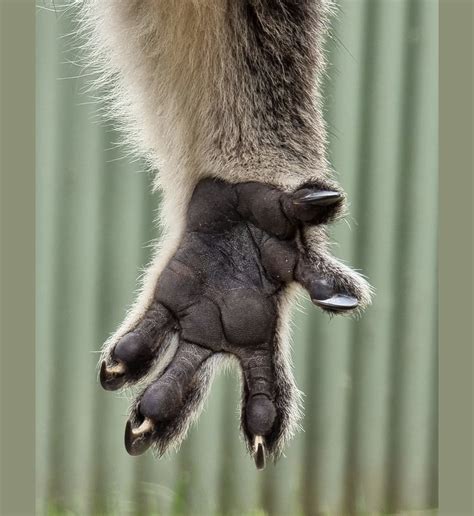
(227,89)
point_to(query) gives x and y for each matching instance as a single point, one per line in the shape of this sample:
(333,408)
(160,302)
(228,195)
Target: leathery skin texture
(219,293)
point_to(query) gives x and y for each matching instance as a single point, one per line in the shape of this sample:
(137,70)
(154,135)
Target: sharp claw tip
(321,198)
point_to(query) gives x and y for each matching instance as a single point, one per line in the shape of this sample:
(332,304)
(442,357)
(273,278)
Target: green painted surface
(370,439)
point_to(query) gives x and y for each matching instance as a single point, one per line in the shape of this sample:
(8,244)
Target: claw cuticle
(118,368)
(146,426)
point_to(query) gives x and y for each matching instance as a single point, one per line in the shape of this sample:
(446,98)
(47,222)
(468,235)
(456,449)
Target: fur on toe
(171,434)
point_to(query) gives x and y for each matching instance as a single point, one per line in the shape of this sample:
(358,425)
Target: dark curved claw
(337,302)
(319,198)
(113,377)
(138,440)
(259,453)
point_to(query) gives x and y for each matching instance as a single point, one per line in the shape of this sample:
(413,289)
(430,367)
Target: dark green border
(17,257)
(456,258)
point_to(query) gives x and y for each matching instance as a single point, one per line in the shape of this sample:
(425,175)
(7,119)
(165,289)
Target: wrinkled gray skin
(219,293)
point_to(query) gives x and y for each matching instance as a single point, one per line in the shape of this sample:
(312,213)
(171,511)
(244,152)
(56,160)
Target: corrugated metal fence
(370,439)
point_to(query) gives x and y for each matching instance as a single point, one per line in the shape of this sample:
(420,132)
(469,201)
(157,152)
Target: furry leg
(227,90)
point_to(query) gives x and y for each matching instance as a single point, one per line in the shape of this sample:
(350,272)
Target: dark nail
(321,198)
(113,377)
(138,440)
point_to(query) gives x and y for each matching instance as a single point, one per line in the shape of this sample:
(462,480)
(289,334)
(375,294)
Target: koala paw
(219,295)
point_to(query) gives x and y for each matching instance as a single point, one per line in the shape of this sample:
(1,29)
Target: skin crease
(219,294)
(222,99)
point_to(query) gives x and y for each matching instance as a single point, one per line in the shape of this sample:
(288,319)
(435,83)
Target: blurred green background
(370,430)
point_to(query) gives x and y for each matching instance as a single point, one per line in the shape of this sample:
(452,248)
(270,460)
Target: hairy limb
(225,89)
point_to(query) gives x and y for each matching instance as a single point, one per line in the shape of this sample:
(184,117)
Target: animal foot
(221,295)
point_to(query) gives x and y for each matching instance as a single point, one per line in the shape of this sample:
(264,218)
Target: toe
(161,401)
(260,415)
(331,292)
(315,204)
(134,353)
(158,415)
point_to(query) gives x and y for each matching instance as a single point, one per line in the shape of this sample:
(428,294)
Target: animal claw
(259,452)
(113,377)
(337,302)
(138,440)
(320,198)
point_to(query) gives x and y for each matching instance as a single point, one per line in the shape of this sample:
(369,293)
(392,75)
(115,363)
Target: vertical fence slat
(415,356)
(379,175)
